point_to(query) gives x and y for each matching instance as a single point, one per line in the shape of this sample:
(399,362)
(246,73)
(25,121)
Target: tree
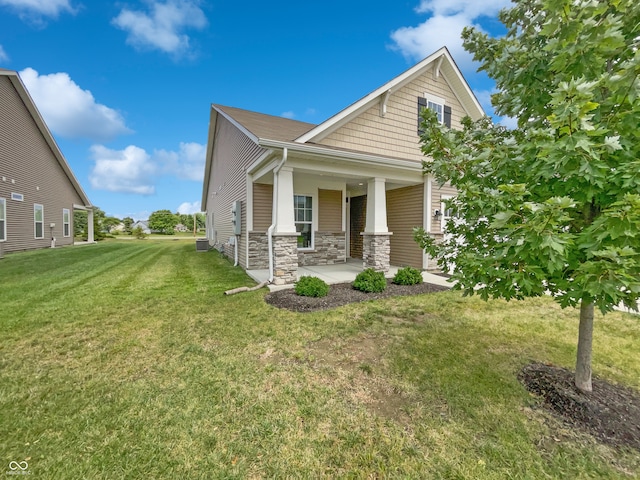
(109,223)
(551,207)
(128,222)
(163,221)
(80,219)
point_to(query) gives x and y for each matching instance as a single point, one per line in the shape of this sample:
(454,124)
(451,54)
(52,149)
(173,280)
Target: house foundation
(376,249)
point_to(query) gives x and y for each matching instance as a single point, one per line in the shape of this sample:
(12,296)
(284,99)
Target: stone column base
(285,259)
(376,249)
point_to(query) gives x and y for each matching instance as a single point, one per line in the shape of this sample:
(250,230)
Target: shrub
(369,281)
(139,233)
(408,276)
(311,287)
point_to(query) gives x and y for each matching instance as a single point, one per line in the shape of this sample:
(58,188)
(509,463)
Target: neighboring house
(279,193)
(38,191)
(143,225)
(181,228)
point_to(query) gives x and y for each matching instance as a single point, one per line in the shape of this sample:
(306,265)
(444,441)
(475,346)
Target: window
(3,219)
(303,212)
(66,222)
(38,220)
(443,112)
(447,212)
(18,197)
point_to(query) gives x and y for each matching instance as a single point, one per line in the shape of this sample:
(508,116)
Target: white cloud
(34,9)
(133,170)
(443,28)
(128,171)
(187,208)
(288,114)
(161,28)
(70,111)
(470,8)
(3,55)
(484,97)
(187,163)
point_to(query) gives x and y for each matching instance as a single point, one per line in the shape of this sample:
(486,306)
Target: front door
(357,221)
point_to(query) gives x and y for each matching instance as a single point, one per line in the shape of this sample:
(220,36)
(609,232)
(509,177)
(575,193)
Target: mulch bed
(343,294)
(611,413)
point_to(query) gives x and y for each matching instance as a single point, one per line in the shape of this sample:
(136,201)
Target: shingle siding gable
(396,134)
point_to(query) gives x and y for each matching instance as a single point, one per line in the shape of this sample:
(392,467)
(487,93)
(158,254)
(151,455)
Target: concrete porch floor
(339,273)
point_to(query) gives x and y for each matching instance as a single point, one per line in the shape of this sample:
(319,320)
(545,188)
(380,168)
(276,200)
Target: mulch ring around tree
(343,294)
(611,413)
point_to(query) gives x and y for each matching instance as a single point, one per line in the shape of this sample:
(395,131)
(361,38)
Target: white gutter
(274,214)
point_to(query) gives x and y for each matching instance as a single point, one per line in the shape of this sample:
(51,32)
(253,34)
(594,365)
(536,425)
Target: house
(38,190)
(280,193)
(143,224)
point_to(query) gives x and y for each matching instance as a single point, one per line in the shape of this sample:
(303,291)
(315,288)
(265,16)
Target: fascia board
(354,157)
(213,119)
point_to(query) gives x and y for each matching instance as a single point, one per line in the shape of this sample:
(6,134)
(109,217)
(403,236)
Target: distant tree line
(161,221)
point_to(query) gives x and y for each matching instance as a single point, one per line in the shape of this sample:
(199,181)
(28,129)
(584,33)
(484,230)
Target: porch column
(90,236)
(376,246)
(285,236)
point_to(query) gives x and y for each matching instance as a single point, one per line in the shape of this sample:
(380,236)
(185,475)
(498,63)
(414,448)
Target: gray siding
(29,167)
(232,153)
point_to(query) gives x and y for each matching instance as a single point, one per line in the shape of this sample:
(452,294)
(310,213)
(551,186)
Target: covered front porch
(339,273)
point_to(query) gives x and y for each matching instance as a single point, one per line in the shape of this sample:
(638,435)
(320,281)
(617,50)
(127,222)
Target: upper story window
(303,212)
(437,104)
(38,220)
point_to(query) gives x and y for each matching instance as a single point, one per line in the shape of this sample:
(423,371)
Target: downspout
(274,214)
(235,257)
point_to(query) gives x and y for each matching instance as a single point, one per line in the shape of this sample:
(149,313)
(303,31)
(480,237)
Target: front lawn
(125,360)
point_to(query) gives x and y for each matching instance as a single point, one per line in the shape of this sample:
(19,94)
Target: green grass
(125,360)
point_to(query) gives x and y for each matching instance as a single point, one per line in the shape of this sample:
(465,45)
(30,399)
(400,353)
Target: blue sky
(126,87)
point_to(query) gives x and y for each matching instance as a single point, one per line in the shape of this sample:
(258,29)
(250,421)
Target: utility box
(236,217)
(202,245)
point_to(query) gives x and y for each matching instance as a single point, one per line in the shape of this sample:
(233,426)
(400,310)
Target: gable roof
(440,62)
(20,88)
(260,125)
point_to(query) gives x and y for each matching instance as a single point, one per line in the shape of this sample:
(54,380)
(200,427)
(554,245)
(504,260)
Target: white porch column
(90,236)
(376,207)
(376,245)
(283,208)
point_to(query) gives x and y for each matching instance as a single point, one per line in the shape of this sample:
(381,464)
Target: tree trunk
(585,337)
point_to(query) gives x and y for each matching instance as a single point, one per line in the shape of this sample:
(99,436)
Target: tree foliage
(552,206)
(163,221)
(128,223)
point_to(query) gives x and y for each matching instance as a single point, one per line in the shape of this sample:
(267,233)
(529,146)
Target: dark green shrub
(370,281)
(311,287)
(408,276)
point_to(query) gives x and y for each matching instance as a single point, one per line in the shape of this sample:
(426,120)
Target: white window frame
(305,222)
(3,219)
(433,101)
(18,197)
(35,221)
(66,224)
(446,212)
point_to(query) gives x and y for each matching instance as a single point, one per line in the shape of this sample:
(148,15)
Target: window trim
(443,209)
(423,102)
(3,219)
(66,225)
(35,221)
(312,222)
